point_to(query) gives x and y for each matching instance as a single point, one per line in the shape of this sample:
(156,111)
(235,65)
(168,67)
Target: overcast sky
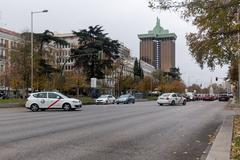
(122,19)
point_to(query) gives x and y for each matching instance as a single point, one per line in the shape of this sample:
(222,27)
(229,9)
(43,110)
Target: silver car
(125,99)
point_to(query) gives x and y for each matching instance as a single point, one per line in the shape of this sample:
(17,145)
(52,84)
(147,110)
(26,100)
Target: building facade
(157,48)
(61,53)
(8,42)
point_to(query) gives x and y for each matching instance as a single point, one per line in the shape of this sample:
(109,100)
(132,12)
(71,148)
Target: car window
(124,96)
(53,95)
(40,95)
(103,96)
(62,96)
(174,95)
(165,95)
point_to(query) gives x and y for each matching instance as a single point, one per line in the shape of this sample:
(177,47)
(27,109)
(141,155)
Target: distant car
(3,96)
(230,95)
(223,97)
(191,96)
(171,99)
(105,99)
(51,100)
(126,98)
(209,98)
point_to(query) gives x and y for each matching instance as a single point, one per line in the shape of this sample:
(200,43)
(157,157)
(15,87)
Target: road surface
(140,131)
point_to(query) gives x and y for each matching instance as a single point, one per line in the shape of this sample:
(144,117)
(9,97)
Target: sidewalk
(221,148)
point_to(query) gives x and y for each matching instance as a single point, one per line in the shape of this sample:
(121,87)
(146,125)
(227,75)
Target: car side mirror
(58,97)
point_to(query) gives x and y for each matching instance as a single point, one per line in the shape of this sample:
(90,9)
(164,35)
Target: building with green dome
(157,48)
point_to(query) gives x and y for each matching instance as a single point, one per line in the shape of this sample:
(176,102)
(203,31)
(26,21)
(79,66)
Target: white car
(105,99)
(51,100)
(171,99)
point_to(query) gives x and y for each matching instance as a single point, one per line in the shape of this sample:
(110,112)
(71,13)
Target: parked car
(51,100)
(171,99)
(126,98)
(105,99)
(223,97)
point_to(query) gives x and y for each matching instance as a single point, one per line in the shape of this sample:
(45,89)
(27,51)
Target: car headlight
(75,101)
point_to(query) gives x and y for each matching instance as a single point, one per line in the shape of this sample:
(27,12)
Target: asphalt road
(140,131)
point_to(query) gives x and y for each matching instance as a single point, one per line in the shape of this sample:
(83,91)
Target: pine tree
(92,43)
(135,68)
(140,70)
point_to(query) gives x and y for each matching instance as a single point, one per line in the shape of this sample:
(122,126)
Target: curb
(221,147)
(141,100)
(11,105)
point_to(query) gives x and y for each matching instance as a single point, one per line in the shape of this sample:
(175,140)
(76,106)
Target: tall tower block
(157,48)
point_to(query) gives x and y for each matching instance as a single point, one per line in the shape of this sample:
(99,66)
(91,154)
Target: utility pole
(32,13)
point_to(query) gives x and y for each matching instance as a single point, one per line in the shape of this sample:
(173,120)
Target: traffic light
(216,78)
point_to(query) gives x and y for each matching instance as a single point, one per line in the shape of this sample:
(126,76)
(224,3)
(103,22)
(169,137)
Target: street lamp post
(43,11)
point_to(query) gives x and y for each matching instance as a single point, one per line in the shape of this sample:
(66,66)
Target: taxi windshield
(103,96)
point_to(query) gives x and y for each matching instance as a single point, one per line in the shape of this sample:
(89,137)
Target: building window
(1,68)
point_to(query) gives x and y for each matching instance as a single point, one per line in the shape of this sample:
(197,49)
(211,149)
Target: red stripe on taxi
(53,103)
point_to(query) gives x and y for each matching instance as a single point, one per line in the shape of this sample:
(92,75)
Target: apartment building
(8,42)
(61,53)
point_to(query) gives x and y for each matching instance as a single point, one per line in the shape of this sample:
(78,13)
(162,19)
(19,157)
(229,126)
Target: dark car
(126,98)
(3,96)
(223,97)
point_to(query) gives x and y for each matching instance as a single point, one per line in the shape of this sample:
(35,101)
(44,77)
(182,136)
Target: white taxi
(171,99)
(51,100)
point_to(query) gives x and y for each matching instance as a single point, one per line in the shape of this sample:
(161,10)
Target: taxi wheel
(34,107)
(184,102)
(173,103)
(66,107)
